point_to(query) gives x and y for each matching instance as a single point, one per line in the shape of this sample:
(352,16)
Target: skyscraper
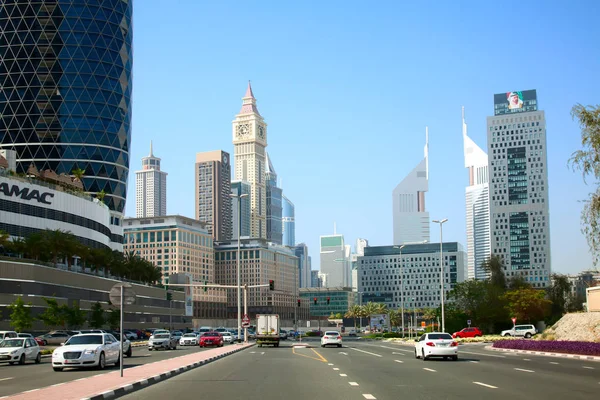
(250,142)
(66,90)
(477,198)
(288,222)
(238,188)
(411,221)
(335,261)
(274,203)
(213,193)
(304,277)
(150,188)
(520,220)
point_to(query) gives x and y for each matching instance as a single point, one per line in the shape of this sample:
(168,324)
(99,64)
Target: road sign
(423,324)
(128,294)
(245,321)
(469,322)
(514,320)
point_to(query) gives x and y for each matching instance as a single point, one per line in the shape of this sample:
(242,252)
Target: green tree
(494,266)
(527,304)
(518,282)
(20,316)
(100,195)
(369,309)
(339,316)
(97,316)
(4,240)
(78,173)
(74,316)
(587,160)
(354,312)
(114,318)
(53,316)
(559,293)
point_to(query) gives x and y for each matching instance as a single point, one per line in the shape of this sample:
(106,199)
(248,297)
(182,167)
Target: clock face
(225,159)
(261,132)
(242,130)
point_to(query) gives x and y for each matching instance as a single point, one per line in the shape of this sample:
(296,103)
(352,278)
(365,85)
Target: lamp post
(401,283)
(239,197)
(360,316)
(441,222)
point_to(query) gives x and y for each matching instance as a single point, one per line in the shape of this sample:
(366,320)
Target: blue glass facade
(289,222)
(66,86)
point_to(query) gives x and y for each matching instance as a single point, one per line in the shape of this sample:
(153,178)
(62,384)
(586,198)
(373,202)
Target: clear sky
(347,88)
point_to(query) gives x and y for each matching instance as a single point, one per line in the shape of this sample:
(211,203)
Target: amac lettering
(25,193)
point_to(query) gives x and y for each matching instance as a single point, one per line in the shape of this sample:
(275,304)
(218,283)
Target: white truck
(267,329)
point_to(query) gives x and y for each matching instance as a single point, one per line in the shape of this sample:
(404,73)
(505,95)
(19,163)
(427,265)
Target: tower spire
(249,102)
(151,152)
(249,91)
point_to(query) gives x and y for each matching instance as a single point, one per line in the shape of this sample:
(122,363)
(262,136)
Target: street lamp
(239,289)
(441,222)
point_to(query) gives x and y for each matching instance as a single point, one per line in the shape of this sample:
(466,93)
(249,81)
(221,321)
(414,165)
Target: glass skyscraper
(274,203)
(66,86)
(288,222)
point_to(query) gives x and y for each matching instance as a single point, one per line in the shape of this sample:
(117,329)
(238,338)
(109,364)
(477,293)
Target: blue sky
(347,89)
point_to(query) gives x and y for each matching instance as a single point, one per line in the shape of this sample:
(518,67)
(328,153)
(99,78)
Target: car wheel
(38,359)
(102,361)
(423,355)
(149,349)
(454,358)
(11,363)
(45,343)
(128,354)
(528,335)
(416,354)
(118,362)
(57,369)
(340,345)
(506,335)
(22,359)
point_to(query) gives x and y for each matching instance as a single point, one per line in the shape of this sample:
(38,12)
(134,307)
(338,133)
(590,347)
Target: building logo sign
(515,102)
(25,193)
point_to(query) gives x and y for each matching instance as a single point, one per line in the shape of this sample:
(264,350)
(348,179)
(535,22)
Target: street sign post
(469,322)
(514,320)
(245,321)
(122,294)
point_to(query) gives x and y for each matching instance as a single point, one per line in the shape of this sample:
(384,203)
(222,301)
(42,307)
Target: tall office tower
(288,221)
(65,102)
(335,261)
(301,251)
(478,206)
(238,188)
(520,220)
(274,206)
(315,280)
(250,141)
(360,246)
(213,193)
(150,188)
(411,221)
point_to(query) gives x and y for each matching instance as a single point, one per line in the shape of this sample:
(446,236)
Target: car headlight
(90,351)
(14,352)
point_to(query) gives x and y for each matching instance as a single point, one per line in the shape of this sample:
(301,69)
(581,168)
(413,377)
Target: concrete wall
(593,299)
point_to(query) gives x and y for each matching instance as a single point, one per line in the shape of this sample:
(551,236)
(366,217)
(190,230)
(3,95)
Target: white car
(331,338)
(177,335)
(126,346)
(162,341)
(436,344)
(189,339)
(526,331)
(20,350)
(87,350)
(227,337)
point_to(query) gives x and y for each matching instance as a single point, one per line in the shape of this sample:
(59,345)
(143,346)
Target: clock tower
(249,143)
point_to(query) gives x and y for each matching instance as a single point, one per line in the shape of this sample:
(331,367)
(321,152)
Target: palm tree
(369,309)
(100,195)
(394,318)
(429,314)
(4,240)
(36,246)
(494,266)
(354,312)
(78,173)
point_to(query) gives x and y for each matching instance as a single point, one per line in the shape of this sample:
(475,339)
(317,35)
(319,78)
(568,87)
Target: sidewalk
(547,354)
(110,385)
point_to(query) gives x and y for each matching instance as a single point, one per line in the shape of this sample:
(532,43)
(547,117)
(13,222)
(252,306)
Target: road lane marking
(32,390)
(486,385)
(330,364)
(343,375)
(321,358)
(353,383)
(369,397)
(6,379)
(262,353)
(526,359)
(58,384)
(252,352)
(552,362)
(336,369)
(429,369)
(524,370)
(474,362)
(588,367)
(341,352)
(367,352)
(398,361)
(481,354)
(400,354)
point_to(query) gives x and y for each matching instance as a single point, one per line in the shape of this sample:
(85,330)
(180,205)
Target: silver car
(526,331)
(164,341)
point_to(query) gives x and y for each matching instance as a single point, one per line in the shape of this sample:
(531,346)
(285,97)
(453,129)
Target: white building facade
(477,196)
(336,269)
(520,220)
(410,218)
(150,188)
(250,142)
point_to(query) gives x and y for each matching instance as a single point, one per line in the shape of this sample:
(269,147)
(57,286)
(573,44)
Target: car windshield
(210,334)
(84,339)
(161,336)
(332,333)
(25,335)
(12,343)
(226,333)
(189,335)
(434,336)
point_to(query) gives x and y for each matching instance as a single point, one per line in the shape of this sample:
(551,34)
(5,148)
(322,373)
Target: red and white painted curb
(547,354)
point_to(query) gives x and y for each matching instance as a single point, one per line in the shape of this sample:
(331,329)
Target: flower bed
(558,346)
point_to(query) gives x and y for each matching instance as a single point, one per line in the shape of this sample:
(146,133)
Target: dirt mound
(575,327)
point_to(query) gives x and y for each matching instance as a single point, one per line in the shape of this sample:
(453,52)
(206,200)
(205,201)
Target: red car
(468,332)
(211,339)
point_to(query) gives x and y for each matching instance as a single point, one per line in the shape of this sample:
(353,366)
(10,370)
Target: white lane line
(353,383)
(6,379)
(58,384)
(336,369)
(526,359)
(367,352)
(32,390)
(330,364)
(345,354)
(398,361)
(588,367)
(474,362)
(369,397)
(343,375)
(552,362)
(486,385)
(429,369)
(80,379)
(481,354)
(524,370)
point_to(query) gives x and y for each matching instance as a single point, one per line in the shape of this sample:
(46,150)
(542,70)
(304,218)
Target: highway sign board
(245,321)
(128,294)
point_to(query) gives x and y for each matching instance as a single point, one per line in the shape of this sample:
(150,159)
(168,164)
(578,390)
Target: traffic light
(169,296)
(271,284)
(315,301)
(205,288)
(298,302)
(328,300)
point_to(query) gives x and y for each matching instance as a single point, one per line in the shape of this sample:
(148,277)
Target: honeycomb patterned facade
(65,89)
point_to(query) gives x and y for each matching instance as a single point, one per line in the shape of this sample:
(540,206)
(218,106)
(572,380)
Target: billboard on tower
(515,102)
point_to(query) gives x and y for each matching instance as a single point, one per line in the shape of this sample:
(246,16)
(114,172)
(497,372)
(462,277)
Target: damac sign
(25,193)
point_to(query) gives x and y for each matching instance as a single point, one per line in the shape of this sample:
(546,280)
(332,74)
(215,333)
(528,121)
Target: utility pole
(441,222)
(239,197)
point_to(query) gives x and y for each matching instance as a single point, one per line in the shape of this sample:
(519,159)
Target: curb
(143,383)
(547,354)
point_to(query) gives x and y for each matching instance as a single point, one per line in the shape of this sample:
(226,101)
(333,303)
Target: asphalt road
(20,378)
(375,370)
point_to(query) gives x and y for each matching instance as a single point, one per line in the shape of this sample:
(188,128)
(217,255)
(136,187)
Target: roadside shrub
(390,335)
(556,346)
